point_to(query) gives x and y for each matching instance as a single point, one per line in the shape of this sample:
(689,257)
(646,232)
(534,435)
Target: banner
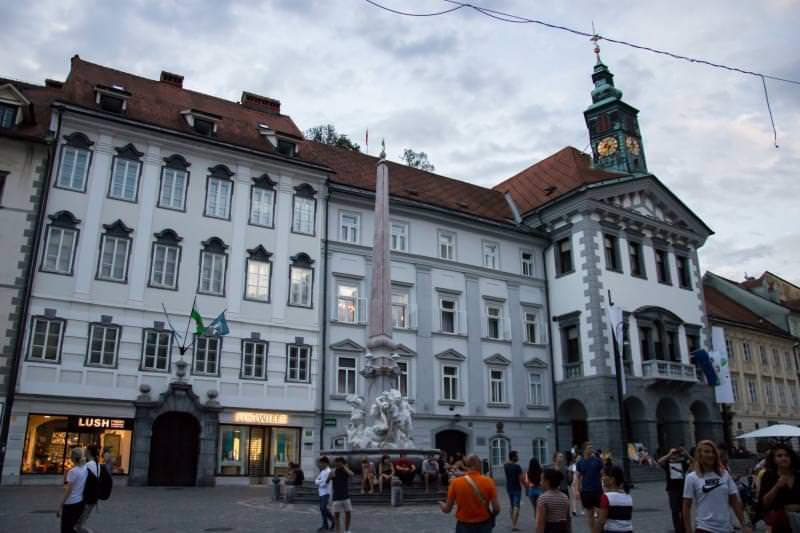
(724,390)
(617,324)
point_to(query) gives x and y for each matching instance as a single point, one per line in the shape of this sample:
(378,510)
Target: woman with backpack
(72,505)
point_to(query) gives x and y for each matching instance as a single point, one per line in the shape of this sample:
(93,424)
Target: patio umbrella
(778,431)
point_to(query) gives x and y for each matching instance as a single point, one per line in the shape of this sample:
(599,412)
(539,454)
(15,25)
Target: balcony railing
(573,370)
(669,370)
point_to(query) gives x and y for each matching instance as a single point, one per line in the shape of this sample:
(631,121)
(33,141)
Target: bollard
(290,493)
(276,489)
(397,493)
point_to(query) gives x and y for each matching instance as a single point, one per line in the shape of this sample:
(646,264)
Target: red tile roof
(721,307)
(358,170)
(554,176)
(160,104)
(38,123)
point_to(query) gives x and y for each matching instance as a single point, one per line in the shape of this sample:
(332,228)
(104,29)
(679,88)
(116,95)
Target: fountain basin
(353,457)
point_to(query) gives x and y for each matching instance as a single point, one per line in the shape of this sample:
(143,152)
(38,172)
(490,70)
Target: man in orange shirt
(472,494)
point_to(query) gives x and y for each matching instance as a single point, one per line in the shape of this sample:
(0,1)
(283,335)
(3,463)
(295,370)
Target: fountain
(380,422)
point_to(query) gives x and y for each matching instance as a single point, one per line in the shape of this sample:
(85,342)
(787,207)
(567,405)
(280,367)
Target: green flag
(200,329)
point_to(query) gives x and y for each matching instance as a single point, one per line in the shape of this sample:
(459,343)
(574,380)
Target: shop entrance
(452,441)
(174,448)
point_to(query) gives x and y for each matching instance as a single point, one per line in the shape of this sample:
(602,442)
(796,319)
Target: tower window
(603,124)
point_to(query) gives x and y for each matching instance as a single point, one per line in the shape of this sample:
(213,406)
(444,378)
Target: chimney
(172,79)
(261,103)
(53,84)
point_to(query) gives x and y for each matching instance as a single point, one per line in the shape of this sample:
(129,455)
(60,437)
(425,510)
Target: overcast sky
(483,98)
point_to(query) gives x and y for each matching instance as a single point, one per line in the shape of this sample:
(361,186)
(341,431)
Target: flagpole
(188,322)
(623,432)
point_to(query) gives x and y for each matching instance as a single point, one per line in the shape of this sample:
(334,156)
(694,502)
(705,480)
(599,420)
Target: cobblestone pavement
(242,509)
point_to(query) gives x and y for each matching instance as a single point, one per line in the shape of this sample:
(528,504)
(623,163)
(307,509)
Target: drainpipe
(550,346)
(324,352)
(22,318)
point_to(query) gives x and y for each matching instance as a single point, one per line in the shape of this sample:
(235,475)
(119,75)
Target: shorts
(590,499)
(342,506)
(514,498)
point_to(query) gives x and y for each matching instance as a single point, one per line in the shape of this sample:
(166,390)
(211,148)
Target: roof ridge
(762,323)
(738,286)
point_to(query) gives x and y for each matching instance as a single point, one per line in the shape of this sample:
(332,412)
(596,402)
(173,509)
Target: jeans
(481,527)
(323,509)
(676,506)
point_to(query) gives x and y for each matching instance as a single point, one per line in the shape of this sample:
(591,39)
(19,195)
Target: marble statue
(392,426)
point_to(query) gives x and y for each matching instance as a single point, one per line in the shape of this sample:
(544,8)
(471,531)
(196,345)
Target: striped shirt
(555,505)
(620,510)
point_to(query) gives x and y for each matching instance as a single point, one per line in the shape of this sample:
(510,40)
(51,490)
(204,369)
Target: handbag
(479,494)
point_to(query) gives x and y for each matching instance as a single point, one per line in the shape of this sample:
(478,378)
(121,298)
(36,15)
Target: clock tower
(613,127)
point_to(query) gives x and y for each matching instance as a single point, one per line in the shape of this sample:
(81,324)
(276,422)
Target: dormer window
(287,148)
(14,107)
(8,115)
(113,98)
(201,122)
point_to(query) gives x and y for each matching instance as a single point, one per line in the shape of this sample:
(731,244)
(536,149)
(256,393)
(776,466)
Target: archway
(701,418)
(572,423)
(452,441)
(669,426)
(636,421)
(174,448)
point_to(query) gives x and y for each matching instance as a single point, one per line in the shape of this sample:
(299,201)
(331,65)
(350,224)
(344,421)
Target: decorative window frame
(541,323)
(158,329)
(454,235)
(344,348)
(667,264)
(301,260)
(261,255)
(498,362)
(262,182)
(213,245)
(687,263)
(165,237)
(496,244)
(175,162)
(128,153)
(407,227)
(256,340)
(219,172)
(539,367)
(105,322)
(450,357)
(77,141)
(117,230)
(559,270)
(304,190)
(64,220)
(347,212)
(615,252)
(642,267)
(522,252)
(49,316)
(565,322)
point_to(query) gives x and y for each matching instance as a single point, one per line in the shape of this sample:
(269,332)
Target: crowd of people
(86,482)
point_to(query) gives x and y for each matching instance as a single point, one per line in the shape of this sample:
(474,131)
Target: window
(497,385)
(46,337)
(447,245)
(776,359)
(402,378)
(572,352)
(692,340)
(788,360)
(611,247)
(637,261)
(298,363)
(165,260)
(531,326)
(494,319)
(535,388)
(254,359)
(646,339)
(450,383)
(112,103)
(204,127)
(399,240)
(74,168)
(8,115)
(345,375)
(400,317)
(62,238)
(447,313)
(3,176)
(763,357)
(735,387)
(115,249)
(540,451)
(348,227)
(793,390)
(206,355)
(498,451)
(564,257)
(731,352)
(781,393)
(174,183)
(219,190)
(662,267)
(124,183)
(347,303)
(673,353)
(684,274)
(751,391)
(491,255)
(768,392)
(156,350)
(213,267)
(301,281)
(286,148)
(258,274)
(103,342)
(748,356)
(304,212)
(262,203)
(526,259)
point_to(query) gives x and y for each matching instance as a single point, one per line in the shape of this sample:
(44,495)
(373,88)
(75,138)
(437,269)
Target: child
(341,493)
(616,507)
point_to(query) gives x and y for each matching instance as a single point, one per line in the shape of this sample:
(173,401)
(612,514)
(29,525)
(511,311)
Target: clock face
(607,146)
(633,145)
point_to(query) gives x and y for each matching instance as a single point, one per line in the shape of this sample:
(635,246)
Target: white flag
(719,358)
(617,324)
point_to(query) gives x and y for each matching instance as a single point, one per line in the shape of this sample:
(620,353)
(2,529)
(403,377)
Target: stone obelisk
(380,369)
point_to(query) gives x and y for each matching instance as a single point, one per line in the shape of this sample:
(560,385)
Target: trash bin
(397,493)
(289,495)
(276,489)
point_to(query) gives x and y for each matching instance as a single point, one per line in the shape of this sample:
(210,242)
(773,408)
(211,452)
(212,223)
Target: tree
(417,160)
(327,134)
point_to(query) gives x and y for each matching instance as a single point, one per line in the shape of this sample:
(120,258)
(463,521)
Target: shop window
(257,451)
(232,450)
